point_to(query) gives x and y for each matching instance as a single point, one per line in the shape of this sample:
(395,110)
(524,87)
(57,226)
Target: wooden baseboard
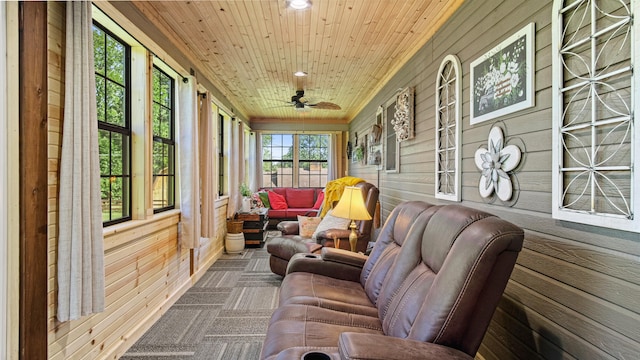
(206,265)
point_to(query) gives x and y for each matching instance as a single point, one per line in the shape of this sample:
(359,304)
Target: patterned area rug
(223,316)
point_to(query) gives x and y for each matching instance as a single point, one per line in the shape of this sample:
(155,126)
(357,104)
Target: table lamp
(351,206)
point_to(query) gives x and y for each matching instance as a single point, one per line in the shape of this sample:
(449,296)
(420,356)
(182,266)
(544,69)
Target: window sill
(133,224)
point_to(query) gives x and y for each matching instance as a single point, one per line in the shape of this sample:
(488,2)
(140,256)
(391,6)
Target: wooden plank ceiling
(251,48)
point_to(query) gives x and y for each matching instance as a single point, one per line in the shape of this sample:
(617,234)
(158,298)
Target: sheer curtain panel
(207,167)
(253,174)
(189,171)
(80,242)
(334,156)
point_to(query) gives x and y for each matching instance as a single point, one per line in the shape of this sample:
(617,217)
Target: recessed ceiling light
(299,4)
(300,73)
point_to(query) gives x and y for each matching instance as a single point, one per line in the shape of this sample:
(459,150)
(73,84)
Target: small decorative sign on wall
(403,117)
(502,80)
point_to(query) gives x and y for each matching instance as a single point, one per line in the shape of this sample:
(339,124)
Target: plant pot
(234,243)
(246,204)
(234,226)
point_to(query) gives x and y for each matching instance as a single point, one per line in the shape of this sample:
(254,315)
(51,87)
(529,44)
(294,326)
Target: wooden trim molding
(33,179)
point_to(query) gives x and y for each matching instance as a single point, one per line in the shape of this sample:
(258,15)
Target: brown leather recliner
(428,290)
(283,247)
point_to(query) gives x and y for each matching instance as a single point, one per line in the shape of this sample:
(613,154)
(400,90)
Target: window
(277,160)
(594,143)
(111,56)
(163,121)
(282,153)
(448,117)
(312,165)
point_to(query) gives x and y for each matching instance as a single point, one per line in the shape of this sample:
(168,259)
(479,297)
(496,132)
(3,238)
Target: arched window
(448,120)
(595,145)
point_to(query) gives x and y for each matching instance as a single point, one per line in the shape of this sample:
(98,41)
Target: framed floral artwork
(502,80)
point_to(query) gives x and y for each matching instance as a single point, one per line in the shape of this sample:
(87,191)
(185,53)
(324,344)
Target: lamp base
(353,236)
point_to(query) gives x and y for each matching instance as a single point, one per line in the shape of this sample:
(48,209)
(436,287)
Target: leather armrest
(331,234)
(288,227)
(343,256)
(344,269)
(373,346)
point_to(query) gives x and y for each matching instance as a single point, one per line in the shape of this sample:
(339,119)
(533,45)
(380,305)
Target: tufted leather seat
(427,290)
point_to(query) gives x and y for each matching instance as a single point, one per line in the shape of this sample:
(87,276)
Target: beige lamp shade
(351,205)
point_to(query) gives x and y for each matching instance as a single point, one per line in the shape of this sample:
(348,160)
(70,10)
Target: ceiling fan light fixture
(299,4)
(300,73)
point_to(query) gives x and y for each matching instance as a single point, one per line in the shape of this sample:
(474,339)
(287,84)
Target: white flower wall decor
(403,117)
(495,162)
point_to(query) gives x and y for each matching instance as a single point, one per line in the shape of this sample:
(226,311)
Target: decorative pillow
(308,225)
(264,196)
(331,222)
(277,201)
(256,202)
(319,200)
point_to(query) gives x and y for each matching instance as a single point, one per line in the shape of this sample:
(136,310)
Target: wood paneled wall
(146,269)
(574,293)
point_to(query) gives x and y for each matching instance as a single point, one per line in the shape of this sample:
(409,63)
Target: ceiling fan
(300,102)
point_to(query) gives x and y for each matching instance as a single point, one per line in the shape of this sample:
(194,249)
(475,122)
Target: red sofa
(300,201)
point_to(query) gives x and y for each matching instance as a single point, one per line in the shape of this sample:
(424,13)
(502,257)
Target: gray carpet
(223,316)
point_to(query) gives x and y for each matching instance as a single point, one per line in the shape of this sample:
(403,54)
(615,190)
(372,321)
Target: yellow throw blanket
(333,191)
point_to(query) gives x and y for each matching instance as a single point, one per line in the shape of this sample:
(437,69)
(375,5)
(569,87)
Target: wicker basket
(234,226)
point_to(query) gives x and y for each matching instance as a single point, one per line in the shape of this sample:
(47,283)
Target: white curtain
(207,167)
(241,140)
(236,160)
(80,242)
(189,171)
(253,175)
(334,156)
(258,163)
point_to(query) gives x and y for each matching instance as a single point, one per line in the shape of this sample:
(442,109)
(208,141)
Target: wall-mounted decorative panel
(403,118)
(594,143)
(448,127)
(391,143)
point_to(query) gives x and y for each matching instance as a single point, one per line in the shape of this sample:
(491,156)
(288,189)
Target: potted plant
(246,197)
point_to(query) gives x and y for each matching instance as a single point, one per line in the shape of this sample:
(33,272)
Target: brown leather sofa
(283,247)
(428,289)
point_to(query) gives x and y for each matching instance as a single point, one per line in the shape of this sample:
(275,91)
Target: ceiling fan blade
(323,105)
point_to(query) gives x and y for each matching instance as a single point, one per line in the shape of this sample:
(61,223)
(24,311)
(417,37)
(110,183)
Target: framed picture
(502,80)
(375,154)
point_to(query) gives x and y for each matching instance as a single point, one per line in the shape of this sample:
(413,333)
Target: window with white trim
(595,145)
(448,118)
